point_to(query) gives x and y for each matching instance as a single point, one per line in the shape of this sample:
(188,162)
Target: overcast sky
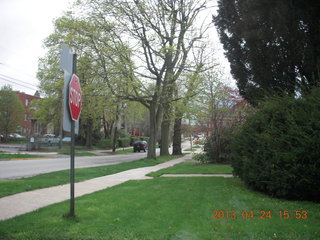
(24,24)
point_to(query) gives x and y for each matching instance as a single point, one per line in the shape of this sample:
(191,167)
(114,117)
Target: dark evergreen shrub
(277,151)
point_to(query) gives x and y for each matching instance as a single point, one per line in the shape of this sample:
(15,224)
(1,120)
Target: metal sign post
(68,64)
(72,212)
(72,202)
(75,110)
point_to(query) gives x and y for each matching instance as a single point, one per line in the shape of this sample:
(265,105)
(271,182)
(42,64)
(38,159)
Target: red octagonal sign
(75,97)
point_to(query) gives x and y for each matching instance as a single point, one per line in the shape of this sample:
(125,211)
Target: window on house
(26,117)
(27,102)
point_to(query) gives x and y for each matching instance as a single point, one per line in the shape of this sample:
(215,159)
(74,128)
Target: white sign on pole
(66,63)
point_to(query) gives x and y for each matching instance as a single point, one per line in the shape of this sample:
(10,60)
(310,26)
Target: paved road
(27,168)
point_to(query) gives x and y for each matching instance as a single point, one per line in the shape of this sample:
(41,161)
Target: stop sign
(75,97)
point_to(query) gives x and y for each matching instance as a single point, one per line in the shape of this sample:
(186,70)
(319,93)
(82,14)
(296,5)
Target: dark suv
(140,146)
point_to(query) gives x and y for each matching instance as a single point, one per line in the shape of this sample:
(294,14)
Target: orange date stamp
(262,214)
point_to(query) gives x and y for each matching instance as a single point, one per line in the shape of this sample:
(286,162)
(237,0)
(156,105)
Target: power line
(15,79)
(18,84)
(16,69)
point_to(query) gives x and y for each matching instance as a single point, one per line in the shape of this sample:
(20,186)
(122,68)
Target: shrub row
(105,143)
(122,142)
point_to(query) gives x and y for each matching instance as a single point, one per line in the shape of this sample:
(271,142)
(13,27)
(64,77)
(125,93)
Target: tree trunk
(115,133)
(105,128)
(165,129)
(109,129)
(89,128)
(177,150)
(166,100)
(153,133)
(114,140)
(155,113)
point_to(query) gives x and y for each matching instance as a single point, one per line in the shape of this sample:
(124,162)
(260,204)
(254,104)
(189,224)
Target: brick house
(28,124)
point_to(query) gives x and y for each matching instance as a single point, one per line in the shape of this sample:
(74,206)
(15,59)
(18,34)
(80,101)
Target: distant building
(29,124)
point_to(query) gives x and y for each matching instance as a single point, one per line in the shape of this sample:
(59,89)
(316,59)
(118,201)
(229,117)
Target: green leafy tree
(48,112)
(189,88)
(162,34)
(11,110)
(218,110)
(80,34)
(273,46)
(51,84)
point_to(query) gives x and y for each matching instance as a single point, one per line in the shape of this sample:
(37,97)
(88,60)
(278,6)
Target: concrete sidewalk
(25,202)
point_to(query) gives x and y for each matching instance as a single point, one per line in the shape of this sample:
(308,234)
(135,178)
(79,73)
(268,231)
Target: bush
(124,134)
(277,151)
(201,157)
(124,142)
(143,138)
(105,143)
(218,146)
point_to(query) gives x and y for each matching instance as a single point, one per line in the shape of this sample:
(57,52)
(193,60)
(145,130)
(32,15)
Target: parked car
(66,139)
(17,135)
(140,146)
(7,136)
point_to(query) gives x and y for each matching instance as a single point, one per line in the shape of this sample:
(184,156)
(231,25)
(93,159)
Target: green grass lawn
(168,208)
(16,155)
(9,187)
(15,141)
(192,167)
(125,150)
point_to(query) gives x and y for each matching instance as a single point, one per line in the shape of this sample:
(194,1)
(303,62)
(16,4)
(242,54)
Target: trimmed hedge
(105,143)
(277,151)
(124,142)
(121,142)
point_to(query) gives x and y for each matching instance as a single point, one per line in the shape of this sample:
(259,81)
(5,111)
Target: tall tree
(78,33)
(191,89)
(51,85)
(161,34)
(273,46)
(11,110)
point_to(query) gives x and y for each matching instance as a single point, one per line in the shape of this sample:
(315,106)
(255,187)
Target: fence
(43,143)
